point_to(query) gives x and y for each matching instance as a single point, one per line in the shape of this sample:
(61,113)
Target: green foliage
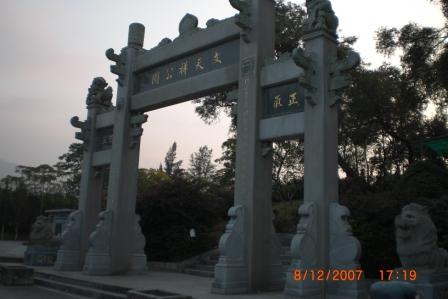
(201,165)
(171,208)
(69,169)
(171,166)
(286,216)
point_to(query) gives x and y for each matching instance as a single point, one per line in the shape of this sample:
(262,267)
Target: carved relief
(120,68)
(308,80)
(339,79)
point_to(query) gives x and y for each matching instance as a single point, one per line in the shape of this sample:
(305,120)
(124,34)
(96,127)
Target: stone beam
(282,127)
(185,90)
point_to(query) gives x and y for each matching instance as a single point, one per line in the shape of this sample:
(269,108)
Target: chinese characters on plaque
(282,99)
(187,67)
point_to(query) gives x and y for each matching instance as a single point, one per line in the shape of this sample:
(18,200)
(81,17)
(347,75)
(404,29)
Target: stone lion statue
(321,16)
(416,237)
(42,233)
(98,94)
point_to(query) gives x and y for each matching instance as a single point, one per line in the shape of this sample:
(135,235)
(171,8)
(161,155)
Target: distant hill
(6,168)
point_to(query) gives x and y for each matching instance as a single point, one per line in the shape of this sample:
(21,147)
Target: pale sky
(51,49)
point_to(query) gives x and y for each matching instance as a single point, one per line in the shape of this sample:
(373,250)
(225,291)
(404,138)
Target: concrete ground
(195,286)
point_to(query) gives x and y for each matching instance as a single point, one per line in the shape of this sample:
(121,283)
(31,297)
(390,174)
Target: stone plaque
(198,63)
(104,139)
(283,99)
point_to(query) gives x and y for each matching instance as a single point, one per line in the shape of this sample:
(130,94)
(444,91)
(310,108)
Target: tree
(69,169)
(201,165)
(172,167)
(424,58)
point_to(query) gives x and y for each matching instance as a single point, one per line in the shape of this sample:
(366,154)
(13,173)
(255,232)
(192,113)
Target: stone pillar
(259,267)
(75,238)
(323,79)
(122,187)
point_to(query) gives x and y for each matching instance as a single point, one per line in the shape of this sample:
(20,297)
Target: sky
(50,50)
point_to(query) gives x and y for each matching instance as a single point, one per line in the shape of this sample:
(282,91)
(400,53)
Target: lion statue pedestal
(43,246)
(417,248)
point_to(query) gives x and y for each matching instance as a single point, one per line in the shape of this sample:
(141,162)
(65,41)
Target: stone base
(277,282)
(431,284)
(68,260)
(139,263)
(11,275)
(230,279)
(98,264)
(40,255)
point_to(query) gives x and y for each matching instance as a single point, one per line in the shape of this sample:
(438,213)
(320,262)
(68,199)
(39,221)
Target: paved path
(33,293)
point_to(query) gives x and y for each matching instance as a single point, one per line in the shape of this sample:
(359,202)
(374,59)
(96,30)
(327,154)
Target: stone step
(77,289)
(210,268)
(197,272)
(81,283)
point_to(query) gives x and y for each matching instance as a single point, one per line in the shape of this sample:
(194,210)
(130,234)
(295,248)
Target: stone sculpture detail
(345,252)
(72,233)
(100,238)
(99,95)
(308,80)
(188,24)
(136,128)
(98,258)
(42,248)
(120,68)
(231,269)
(85,130)
(42,233)
(243,19)
(320,17)
(339,79)
(69,254)
(303,252)
(165,41)
(139,258)
(416,237)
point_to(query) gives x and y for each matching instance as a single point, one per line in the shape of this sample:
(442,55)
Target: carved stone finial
(189,23)
(308,79)
(136,35)
(212,22)
(320,17)
(165,41)
(339,79)
(99,95)
(243,19)
(416,237)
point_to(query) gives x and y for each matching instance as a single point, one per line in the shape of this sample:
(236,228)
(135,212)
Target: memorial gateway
(294,96)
